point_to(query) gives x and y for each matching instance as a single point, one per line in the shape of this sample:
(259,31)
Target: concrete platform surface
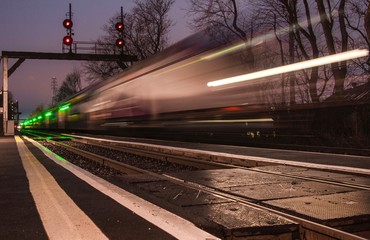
(43,197)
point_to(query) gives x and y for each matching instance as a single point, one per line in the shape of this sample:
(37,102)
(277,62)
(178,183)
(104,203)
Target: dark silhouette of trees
(303,30)
(367,27)
(38,110)
(146,29)
(70,86)
(224,21)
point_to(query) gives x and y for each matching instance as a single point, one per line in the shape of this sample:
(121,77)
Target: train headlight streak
(292,67)
(234,120)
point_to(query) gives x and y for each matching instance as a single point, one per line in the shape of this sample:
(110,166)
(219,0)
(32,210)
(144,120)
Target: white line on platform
(61,217)
(167,221)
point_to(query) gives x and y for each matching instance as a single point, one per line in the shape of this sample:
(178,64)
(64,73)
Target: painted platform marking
(176,226)
(61,217)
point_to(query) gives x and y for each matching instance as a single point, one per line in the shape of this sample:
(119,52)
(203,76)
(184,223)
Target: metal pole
(70,31)
(5,95)
(122,30)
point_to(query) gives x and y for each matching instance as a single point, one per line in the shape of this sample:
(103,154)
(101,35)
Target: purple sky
(36,26)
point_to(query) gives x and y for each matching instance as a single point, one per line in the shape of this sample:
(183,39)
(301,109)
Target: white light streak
(292,67)
(234,120)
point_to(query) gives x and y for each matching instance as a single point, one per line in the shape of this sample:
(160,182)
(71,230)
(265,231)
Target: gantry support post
(8,126)
(5,95)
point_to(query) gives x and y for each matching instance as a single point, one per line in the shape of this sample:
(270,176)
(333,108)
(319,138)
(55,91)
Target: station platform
(48,198)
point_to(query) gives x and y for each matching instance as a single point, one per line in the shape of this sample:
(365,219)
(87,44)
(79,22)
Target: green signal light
(64,107)
(39,117)
(48,114)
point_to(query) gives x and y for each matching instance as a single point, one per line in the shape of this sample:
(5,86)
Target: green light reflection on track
(56,155)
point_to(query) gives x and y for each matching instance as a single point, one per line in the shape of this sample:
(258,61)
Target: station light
(48,114)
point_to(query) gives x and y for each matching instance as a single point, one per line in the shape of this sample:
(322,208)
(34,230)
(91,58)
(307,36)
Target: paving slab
(287,190)
(240,221)
(328,207)
(179,195)
(305,172)
(223,178)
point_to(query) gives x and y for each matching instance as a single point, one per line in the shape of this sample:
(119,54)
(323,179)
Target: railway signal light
(67,40)
(67,23)
(119,42)
(119,27)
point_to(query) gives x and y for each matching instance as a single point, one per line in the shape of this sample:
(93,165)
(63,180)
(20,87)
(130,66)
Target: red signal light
(119,42)
(67,23)
(119,26)
(68,40)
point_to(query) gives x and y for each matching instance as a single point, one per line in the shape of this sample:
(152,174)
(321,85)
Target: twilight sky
(36,26)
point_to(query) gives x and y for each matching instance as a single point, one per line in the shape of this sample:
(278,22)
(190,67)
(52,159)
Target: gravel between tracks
(146,163)
(93,167)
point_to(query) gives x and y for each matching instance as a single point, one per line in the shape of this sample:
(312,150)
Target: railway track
(203,164)
(189,163)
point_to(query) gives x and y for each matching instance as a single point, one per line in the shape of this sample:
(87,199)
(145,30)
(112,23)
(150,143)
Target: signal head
(119,26)
(67,40)
(67,23)
(119,42)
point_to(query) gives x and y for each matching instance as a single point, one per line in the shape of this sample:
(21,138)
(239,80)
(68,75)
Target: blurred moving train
(199,88)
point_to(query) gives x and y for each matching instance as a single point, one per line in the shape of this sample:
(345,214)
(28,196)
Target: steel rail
(188,161)
(202,164)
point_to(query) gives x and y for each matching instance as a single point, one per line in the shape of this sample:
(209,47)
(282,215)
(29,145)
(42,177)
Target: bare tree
(70,86)
(146,31)
(367,27)
(327,22)
(38,110)
(224,20)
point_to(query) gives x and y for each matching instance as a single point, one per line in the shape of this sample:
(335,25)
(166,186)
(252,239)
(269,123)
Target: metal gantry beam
(8,128)
(15,66)
(22,56)
(69,56)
